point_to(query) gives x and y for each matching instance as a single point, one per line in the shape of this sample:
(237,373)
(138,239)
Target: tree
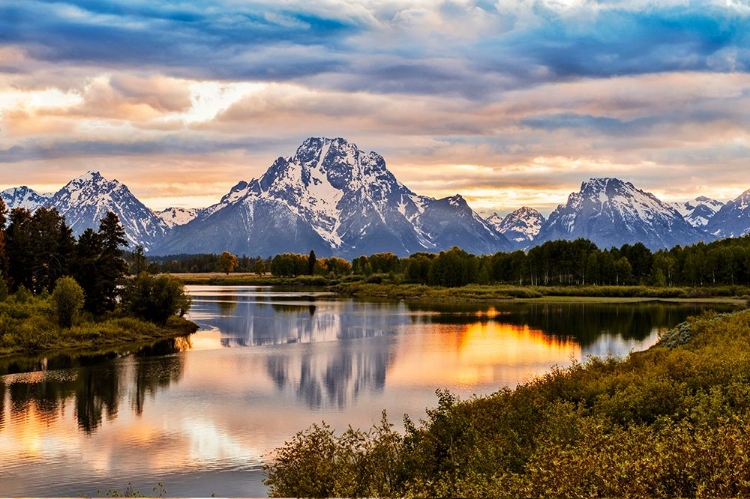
(51,243)
(3,289)
(140,262)
(19,250)
(227,262)
(260,266)
(311,260)
(3,255)
(68,298)
(155,299)
(85,269)
(110,266)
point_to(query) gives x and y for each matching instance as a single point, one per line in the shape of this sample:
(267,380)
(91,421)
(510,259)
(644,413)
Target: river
(200,415)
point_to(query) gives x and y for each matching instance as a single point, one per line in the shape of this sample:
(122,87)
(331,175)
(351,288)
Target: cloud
(393,47)
(484,97)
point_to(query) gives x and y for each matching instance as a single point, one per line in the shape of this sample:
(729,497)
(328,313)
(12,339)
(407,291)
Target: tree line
(555,263)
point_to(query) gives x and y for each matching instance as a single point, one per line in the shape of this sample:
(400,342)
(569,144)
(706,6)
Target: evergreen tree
(3,255)
(19,250)
(111,266)
(139,261)
(85,269)
(47,228)
(311,261)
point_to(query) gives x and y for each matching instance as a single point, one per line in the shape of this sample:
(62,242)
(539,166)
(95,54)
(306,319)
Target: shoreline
(475,293)
(105,343)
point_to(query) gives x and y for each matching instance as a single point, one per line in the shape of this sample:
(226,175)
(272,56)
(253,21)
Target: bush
(155,299)
(22,295)
(68,298)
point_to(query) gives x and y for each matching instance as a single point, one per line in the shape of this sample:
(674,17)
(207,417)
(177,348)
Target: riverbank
(391,287)
(671,421)
(29,328)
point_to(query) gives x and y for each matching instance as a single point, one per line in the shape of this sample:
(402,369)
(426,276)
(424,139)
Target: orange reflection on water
(479,353)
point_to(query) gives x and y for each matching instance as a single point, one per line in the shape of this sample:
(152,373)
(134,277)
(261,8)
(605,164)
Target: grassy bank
(672,421)
(29,327)
(384,286)
(475,292)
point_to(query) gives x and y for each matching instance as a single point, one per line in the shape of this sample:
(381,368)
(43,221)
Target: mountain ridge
(334,198)
(337,199)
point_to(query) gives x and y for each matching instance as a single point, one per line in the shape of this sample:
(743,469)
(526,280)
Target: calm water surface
(200,414)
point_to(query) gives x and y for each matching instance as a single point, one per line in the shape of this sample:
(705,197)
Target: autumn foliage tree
(227,262)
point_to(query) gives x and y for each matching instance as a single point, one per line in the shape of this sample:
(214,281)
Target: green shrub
(68,298)
(155,299)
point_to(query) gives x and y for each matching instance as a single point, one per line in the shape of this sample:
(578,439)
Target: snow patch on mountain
(174,216)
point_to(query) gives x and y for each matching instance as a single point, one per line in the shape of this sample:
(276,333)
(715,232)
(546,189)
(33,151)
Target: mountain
(333,198)
(733,219)
(699,211)
(520,227)
(23,197)
(85,200)
(177,216)
(611,212)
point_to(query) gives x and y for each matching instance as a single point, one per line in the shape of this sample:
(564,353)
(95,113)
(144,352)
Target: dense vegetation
(57,292)
(672,421)
(555,263)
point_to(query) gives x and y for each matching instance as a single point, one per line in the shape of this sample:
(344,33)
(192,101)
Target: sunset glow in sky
(509,103)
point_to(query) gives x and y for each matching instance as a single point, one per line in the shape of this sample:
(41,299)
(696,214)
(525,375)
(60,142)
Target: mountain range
(336,199)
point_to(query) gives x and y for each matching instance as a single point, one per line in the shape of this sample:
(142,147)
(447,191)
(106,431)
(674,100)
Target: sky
(509,103)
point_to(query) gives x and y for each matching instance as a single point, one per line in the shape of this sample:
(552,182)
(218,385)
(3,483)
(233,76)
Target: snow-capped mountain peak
(733,219)
(331,196)
(699,211)
(521,226)
(611,212)
(23,197)
(85,200)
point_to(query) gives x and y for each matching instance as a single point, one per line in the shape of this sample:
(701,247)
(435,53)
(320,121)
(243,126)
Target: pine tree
(111,266)
(85,269)
(19,250)
(311,261)
(3,255)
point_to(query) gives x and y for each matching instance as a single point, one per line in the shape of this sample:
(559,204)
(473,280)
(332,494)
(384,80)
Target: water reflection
(331,377)
(93,387)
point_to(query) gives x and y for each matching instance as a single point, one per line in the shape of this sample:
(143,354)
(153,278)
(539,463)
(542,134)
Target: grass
(30,328)
(476,292)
